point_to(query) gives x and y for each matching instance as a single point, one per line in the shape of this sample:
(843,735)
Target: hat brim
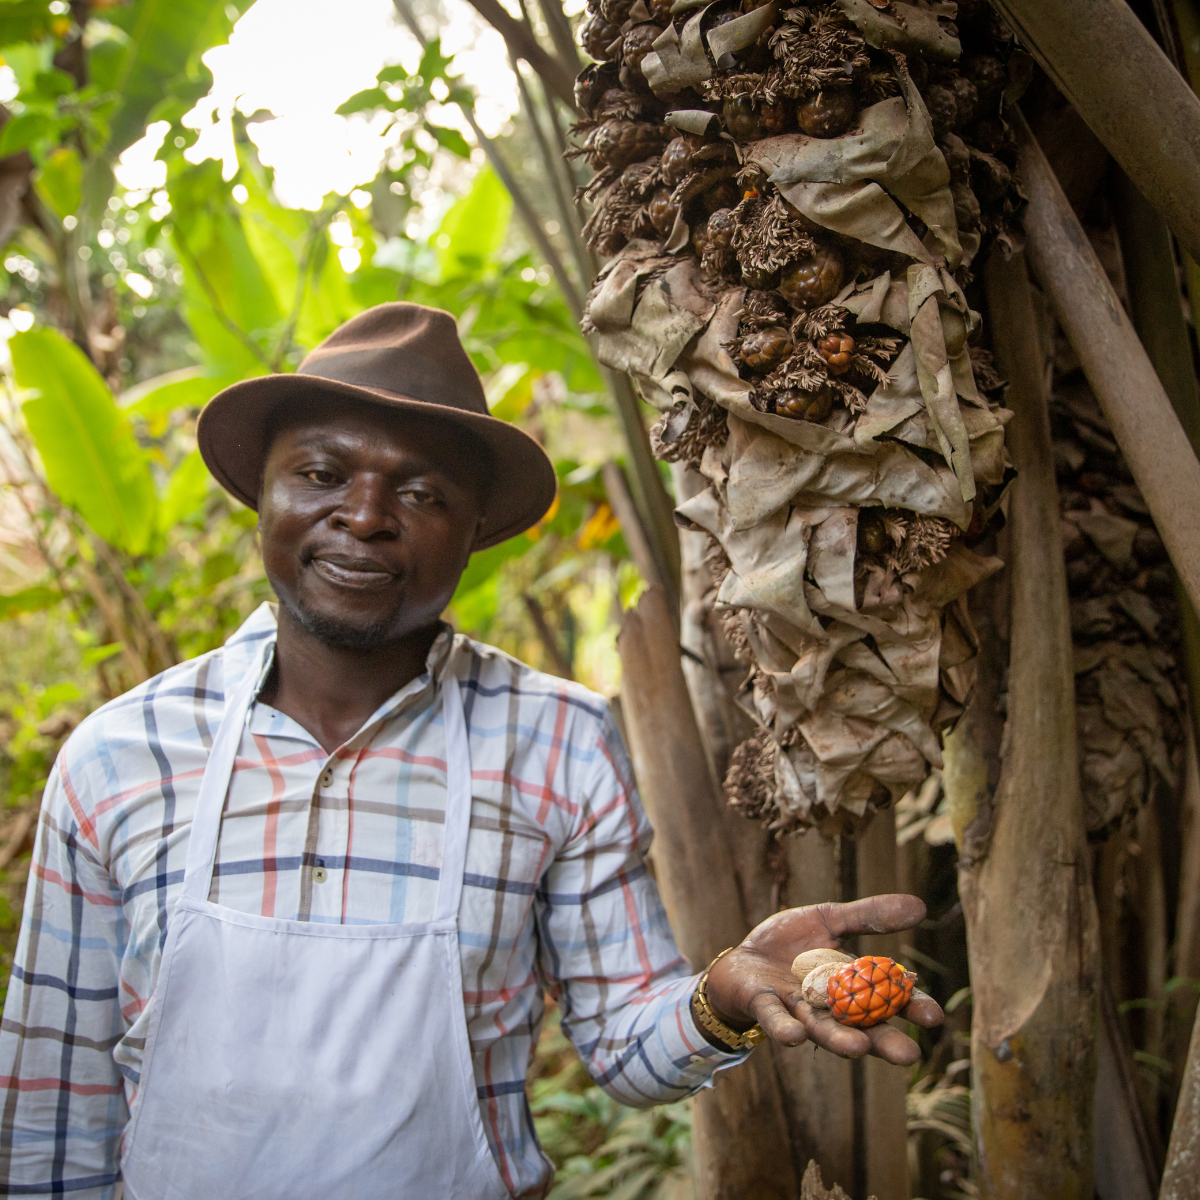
(234,437)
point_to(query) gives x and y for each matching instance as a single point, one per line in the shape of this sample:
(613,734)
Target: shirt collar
(262,624)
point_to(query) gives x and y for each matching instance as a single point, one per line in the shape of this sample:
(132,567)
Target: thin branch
(566,206)
(561,33)
(522,44)
(537,614)
(525,209)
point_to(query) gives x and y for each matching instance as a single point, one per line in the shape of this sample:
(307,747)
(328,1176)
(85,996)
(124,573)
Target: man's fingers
(893,1046)
(874,914)
(772,1014)
(923,1010)
(832,1035)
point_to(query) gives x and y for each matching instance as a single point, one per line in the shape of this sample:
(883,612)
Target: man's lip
(351,572)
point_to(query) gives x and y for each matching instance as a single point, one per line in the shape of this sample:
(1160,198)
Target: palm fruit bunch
(790,201)
(857,991)
(1125,619)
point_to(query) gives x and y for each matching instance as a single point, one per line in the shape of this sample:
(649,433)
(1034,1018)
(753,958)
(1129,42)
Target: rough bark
(1105,62)
(741,1132)
(1121,376)
(1026,888)
(1183,1154)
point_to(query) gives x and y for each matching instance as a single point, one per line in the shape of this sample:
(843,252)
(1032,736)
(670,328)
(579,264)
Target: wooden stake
(1121,376)
(1027,898)
(742,1147)
(1104,61)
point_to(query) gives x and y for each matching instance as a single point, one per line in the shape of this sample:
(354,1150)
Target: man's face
(367,519)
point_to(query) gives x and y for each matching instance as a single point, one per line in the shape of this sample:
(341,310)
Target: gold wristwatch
(708,1020)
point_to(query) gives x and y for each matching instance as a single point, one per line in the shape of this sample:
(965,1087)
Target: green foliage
(59,181)
(600,1147)
(91,458)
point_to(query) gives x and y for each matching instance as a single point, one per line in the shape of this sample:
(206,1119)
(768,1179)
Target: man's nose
(369,509)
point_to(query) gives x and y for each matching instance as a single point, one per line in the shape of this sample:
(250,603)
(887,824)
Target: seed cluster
(792,201)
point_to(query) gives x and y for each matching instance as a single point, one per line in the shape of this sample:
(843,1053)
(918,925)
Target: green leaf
(98,654)
(485,564)
(473,231)
(217,568)
(28,600)
(54,83)
(166,40)
(228,299)
(366,99)
(21,132)
(188,387)
(187,489)
(24,21)
(58,181)
(55,695)
(450,139)
(92,460)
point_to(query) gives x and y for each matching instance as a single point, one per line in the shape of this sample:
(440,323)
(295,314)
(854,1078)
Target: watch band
(711,1023)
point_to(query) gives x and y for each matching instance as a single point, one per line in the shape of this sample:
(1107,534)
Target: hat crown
(403,350)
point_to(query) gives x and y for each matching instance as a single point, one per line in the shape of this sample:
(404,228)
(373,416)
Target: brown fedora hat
(401,356)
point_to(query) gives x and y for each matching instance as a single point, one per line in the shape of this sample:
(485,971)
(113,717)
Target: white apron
(287,1060)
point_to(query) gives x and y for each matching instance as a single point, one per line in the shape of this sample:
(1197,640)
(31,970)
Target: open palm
(754,982)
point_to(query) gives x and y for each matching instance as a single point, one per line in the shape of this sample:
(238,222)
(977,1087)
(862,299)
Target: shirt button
(327,778)
(320,875)
(697,1058)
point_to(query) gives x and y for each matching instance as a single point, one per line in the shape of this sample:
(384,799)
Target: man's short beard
(338,635)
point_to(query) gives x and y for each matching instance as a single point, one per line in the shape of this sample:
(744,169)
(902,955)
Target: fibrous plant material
(786,286)
(1129,672)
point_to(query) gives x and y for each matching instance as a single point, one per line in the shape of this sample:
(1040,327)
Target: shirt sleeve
(607,954)
(64,1100)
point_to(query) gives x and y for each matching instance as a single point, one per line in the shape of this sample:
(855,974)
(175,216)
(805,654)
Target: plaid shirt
(556,894)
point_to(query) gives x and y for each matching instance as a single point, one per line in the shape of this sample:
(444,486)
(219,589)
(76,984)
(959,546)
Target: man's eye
(319,476)
(420,495)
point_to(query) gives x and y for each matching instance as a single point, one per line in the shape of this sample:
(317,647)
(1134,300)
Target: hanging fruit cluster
(791,200)
(1129,674)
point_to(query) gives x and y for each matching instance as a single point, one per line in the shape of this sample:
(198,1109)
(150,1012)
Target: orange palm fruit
(869,990)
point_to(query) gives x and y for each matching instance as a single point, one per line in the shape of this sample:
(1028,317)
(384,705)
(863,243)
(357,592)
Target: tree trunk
(741,1132)
(1125,384)
(1105,62)
(1026,886)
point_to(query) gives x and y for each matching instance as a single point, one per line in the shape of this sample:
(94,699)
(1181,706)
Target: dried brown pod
(742,119)
(966,101)
(872,533)
(990,77)
(723,193)
(598,36)
(827,114)
(805,406)
(660,11)
(678,159)
(618,143)
(663,210)
(721,227)
(776,118)
(763,351)
(761,280)
(636,44)
(812,281)
(837,349)
(616,11)
(943,109)
(700,240)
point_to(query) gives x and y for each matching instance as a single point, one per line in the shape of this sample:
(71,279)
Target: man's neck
(332,691)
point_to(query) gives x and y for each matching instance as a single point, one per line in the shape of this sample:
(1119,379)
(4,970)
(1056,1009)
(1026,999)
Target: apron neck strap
(210,803)
(214,787)
(458,801)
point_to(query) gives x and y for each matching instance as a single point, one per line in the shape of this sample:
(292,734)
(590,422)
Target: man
(294,904)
